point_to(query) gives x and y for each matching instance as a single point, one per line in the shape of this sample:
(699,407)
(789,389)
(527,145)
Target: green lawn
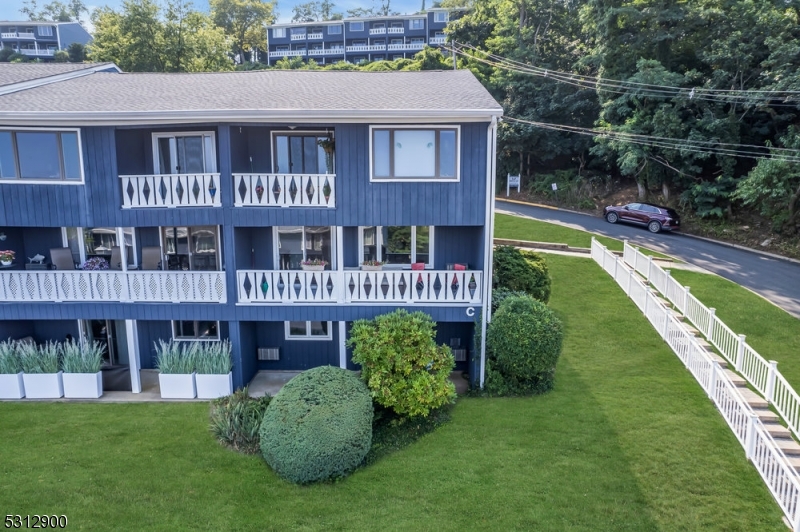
(771,331)
(626,441)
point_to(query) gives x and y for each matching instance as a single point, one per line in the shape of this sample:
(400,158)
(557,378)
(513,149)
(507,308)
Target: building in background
(41,40)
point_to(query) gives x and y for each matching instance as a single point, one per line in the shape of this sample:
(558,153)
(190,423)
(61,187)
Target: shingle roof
(260,93)
(11,73)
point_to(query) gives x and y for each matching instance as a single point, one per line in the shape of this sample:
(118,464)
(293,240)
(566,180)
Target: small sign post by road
(555,190)
(513,181)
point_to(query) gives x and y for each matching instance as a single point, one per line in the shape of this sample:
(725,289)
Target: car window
(651,209)
(635,206)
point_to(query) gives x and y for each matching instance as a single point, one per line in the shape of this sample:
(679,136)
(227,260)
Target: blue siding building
(358,40)
(41,40)
(243,206)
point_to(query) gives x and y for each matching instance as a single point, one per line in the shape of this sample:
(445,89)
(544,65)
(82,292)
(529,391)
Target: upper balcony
(18,35)
(285,190)
(406,46)
(437,40)
(377,31)
(314,36)
(170,190)
(367,48)
(288,53)
(392,29)
(298,36)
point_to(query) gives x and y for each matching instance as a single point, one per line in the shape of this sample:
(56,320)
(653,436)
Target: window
(416,40)
(395,57)
(298,31)
(298,243)
(36,154)
(278,33)
(308,330)
(356,26)
(89,242)
(441,16)
(190,248)
(299,153)
(282,48)
(416,24)
(414,154)
(378,57)
(397,244)
(191,153)
(195,330)
(379,26)
(45,31)
(335,30)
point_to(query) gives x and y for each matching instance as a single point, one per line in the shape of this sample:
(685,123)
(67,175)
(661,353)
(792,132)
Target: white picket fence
(762,374)
(768,459)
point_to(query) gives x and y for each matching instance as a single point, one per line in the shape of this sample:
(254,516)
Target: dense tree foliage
(243,21)
(68,11)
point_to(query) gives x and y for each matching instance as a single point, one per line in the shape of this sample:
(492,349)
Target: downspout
(491,161)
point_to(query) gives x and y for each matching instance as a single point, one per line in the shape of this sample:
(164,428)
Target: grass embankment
(626,441)
(771,331)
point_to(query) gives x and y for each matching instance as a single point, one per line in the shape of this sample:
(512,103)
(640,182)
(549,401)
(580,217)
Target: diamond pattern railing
(356,286)
(284,190)
(170,190)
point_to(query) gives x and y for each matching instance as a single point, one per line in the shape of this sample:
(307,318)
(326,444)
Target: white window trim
(186,339)
(24,181)
(172,135)
(339,26)
(276,249)
(308,337)
(280,35)
(49,30)
(456,179)
(120,238)
(379,245)
(295,133)
(441,16)
(411,24)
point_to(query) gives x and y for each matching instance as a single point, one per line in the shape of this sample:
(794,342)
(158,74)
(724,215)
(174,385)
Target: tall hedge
(318,427)
(523,343)
(402,365)
(520,270)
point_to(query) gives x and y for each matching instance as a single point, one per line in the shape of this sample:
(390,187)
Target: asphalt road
(775,279)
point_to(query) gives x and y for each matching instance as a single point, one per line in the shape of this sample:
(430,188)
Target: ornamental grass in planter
(81,363)
(214,377)
(41,375)
(11,382)
(176,365)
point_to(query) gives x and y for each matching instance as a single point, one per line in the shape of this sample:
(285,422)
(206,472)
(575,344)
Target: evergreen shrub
(400,362)
(318,427)
(523,271)
(523,343)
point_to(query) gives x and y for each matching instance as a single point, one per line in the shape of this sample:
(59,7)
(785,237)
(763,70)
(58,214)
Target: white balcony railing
(25,35)
(395,30)
(437,40)
(366,48)
(314,36)
(269,287)
(298,36)
(285,190)
(40,51)
(377,31)
(131,286)
(9,35)
(326,51)
(288,53)
(407,46)
(170,190)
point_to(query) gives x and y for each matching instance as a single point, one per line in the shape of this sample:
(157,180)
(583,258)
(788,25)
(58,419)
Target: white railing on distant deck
(170,190)
(356,286)
(132,286)
(284,190)
(763,375)
(769,460)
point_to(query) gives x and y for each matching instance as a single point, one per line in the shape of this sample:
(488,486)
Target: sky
(9,9)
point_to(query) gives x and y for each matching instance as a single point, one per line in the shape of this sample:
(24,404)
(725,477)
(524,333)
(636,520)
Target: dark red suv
(654,217)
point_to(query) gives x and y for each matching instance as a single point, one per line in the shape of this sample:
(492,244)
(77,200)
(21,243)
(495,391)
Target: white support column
(712,384)
(340,263)
(740,354)
(685,300)
(132,334)
(710,331)
(342,346)
(750,436)
(649,267)
(773,370)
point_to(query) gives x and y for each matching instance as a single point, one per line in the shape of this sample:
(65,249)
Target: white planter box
(43,385)
(177,386)
(12,386)
(365,268)
(213,386)
(309,268)
(83,385)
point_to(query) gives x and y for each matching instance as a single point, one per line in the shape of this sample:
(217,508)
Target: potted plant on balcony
(6,257)
(372,265)
(41,375)
(214,377)
(328,145)
(95,263)
(176,364)
(11,383)
(314,265)
(81,363)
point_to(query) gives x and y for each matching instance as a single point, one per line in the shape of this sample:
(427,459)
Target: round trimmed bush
(524,342)
(523,271)
(318,427)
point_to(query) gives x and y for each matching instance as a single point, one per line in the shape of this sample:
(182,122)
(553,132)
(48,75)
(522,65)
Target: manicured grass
(626,441)
(771,331)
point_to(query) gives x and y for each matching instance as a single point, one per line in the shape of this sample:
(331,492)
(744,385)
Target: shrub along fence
(760,448)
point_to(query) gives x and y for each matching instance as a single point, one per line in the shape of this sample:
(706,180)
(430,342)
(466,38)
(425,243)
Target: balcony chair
(151,258)
(116,259)
(61,259)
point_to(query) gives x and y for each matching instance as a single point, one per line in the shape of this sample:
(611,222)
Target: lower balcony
(398,287)
(118,286)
